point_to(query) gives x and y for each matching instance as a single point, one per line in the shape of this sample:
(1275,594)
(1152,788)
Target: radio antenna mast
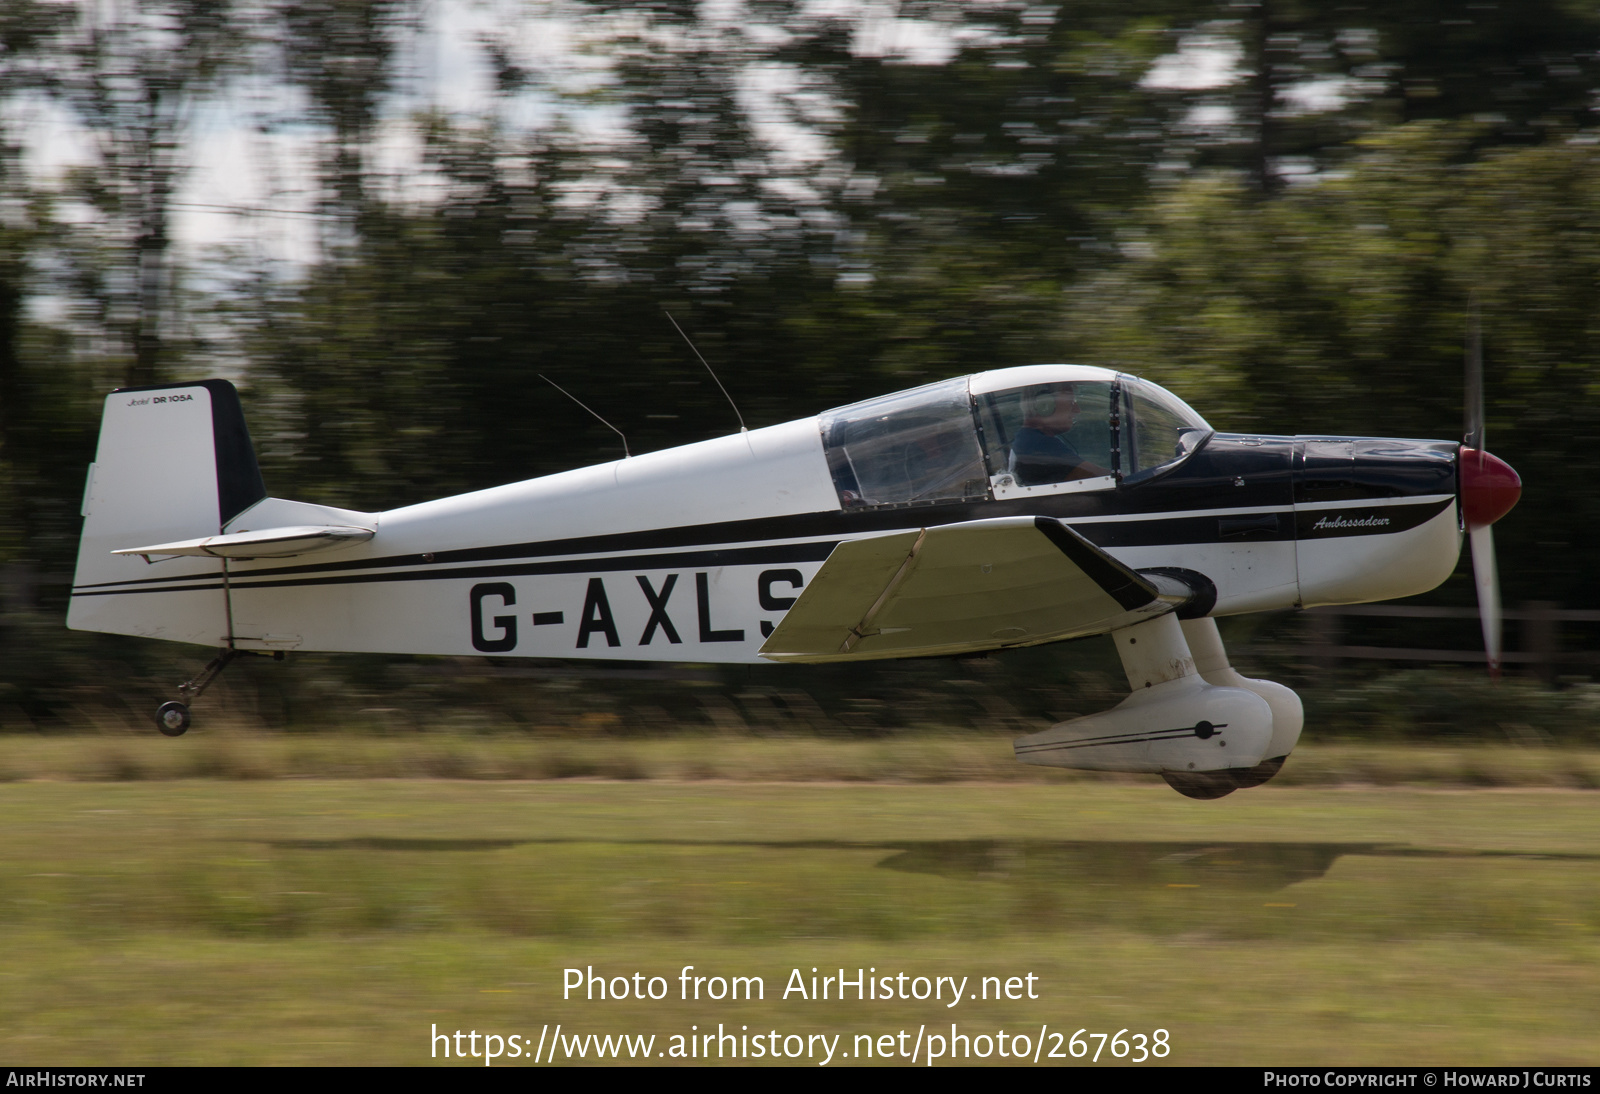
(625,453)
(703,361)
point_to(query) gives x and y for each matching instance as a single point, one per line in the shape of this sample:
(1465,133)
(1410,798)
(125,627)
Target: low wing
(1015,581)
(267,543)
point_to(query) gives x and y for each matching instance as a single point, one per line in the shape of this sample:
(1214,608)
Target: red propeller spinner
(1489,487)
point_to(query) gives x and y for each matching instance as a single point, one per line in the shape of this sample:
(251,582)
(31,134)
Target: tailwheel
(1204,785)
(173,719)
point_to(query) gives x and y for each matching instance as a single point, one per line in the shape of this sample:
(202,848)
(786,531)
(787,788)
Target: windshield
(1159,429)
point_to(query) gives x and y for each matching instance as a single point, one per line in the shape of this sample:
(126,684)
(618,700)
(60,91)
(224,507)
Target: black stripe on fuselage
(1221,528)
(834,526)
(1225,527)
(739,556)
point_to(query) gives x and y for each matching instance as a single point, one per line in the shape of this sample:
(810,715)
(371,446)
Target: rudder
(173,462)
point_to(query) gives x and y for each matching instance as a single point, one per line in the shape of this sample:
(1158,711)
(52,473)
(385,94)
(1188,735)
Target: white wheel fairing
(1184,725)
(1175,721)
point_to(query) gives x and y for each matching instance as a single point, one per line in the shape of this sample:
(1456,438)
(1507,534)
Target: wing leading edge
(981,585)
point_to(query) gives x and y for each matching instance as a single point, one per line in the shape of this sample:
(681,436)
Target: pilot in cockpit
(1041,452)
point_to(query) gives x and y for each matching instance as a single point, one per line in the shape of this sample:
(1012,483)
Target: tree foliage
(1344,308)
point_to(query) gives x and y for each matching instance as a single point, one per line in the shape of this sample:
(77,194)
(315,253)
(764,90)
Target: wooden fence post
(1541,638)
(1326,633)
(17,581)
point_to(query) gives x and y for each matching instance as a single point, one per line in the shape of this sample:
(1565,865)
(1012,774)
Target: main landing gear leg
(1288,716)
(1165,655)
(172,718)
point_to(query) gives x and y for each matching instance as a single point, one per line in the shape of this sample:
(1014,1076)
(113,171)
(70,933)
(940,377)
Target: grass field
(338,921)
(244,753)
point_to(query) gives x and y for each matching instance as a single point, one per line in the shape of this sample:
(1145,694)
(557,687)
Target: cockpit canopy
(1009,433)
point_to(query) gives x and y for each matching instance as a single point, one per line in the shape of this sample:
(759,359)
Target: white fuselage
(688,554)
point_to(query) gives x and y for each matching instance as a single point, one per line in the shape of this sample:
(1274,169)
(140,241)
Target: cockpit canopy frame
(1039,429)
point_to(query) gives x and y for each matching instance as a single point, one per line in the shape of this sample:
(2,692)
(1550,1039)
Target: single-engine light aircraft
(1008,508)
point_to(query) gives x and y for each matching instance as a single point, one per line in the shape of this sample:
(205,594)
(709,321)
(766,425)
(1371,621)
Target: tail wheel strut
(172,718)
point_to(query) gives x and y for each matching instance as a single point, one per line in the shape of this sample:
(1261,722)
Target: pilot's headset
(1041,402)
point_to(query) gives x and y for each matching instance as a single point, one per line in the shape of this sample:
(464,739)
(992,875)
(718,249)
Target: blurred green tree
(132,77)
(42,404)
(1342,308)
(1308,80)
(343,53)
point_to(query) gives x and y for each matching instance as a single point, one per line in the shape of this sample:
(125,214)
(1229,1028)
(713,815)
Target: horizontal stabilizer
(300,539)
(979,585)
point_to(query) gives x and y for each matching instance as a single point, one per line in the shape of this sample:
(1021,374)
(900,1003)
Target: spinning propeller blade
(1474,364)
(1489,488)
(1487,580)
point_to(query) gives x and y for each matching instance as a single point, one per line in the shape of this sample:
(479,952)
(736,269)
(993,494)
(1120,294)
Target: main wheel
(1204,785)
(172,718)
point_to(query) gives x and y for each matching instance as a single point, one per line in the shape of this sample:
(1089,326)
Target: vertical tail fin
(174,462)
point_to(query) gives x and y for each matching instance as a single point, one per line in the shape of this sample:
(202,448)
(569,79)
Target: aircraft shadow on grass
(1099,863)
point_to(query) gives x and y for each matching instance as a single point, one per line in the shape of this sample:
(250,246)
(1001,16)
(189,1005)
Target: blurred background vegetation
(1279,209)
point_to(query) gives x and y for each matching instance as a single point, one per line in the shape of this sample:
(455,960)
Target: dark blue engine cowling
(1334,469)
